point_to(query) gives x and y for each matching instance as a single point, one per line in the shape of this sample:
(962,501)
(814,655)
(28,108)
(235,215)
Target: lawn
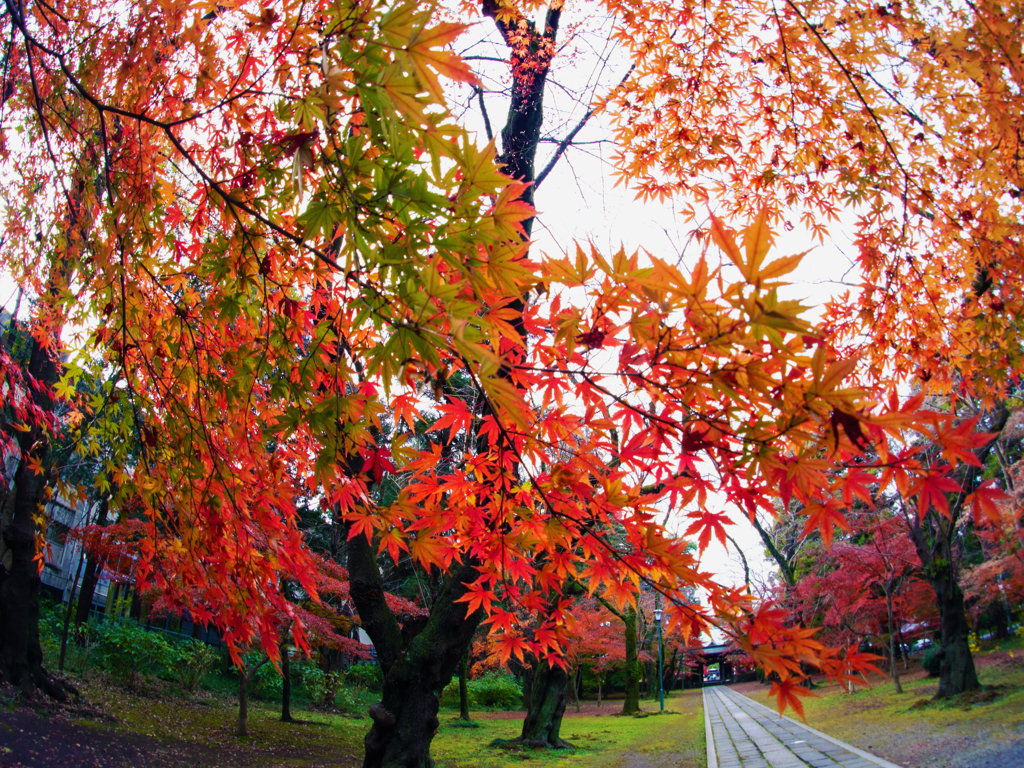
(910,730)
(600,738)
(164,730)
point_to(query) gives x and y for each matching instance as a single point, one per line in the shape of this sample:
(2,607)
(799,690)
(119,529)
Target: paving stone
(747,735)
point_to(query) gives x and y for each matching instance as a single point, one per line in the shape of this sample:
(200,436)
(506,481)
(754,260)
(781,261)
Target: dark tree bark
(547,707)
(892,642)
(21,656)
(243,704)
(135,605)
(632,665)
(464,689)
(416,666)
(286,686)
(934,538)
(93,570)
(245,677)
(957,673)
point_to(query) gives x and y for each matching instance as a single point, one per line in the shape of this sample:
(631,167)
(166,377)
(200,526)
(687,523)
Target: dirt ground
(50,736)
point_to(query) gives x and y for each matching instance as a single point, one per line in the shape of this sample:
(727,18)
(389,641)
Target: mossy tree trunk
(892,642)
(957,673)
(937,540)
(933,540)
(632,664)
(543,721)
(418,661)
(243,704)
(286,686)
(464,688)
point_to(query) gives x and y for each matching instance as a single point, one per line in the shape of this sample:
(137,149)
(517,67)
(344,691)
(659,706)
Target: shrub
(931,660)
(318,685)
(267,683)
(368,676)
(495,690)
(499,690)
(194,662)
(450,694)
(128,650)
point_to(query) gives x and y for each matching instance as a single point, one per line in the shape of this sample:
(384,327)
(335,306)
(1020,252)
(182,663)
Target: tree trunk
(577,688)
(670,671)
(464,688)
(892,644)
(417,665)
(956,674)
(599,681)
(527,686)
(67,614)
(135,605)
(547,706)
(632,702)
(286,687)
(243,703)
(650,680)
(91,577)
(21,656)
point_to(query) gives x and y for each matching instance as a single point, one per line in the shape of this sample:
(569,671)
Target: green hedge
(495,690)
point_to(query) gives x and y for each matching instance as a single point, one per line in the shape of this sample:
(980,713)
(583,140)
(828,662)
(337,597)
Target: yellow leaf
(837,372)
(724,239)
(757,239)
(782,266)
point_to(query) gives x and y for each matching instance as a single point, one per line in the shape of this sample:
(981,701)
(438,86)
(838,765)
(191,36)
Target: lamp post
(661,684)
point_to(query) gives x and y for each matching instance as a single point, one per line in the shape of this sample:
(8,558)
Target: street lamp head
(657,615)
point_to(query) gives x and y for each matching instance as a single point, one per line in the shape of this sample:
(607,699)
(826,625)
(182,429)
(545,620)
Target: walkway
(743,734)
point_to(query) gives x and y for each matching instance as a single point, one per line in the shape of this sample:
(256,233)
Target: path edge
(709,735)
(859,752)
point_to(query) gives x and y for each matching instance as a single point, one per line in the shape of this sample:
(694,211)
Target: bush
(499,690)
(194,662)
(495,690)
(318,685)
(128,650)
(51,626)
(931,660)
(368,676)
(267,683)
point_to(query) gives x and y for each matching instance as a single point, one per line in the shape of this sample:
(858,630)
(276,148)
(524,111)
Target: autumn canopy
(285,275)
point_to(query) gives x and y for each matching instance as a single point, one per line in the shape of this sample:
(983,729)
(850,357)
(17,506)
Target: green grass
(604,741)
(202,727)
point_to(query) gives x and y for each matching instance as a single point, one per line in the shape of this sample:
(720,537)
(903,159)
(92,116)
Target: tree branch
(564,143)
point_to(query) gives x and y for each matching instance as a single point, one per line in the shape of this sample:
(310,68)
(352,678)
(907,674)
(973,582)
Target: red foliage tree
(866,586)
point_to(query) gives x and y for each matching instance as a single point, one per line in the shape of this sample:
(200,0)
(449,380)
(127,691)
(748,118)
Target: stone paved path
(743,734)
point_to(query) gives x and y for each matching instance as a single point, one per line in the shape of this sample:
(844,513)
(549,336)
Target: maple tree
(934,505)
(867,585)
(289,235)
(595,644)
